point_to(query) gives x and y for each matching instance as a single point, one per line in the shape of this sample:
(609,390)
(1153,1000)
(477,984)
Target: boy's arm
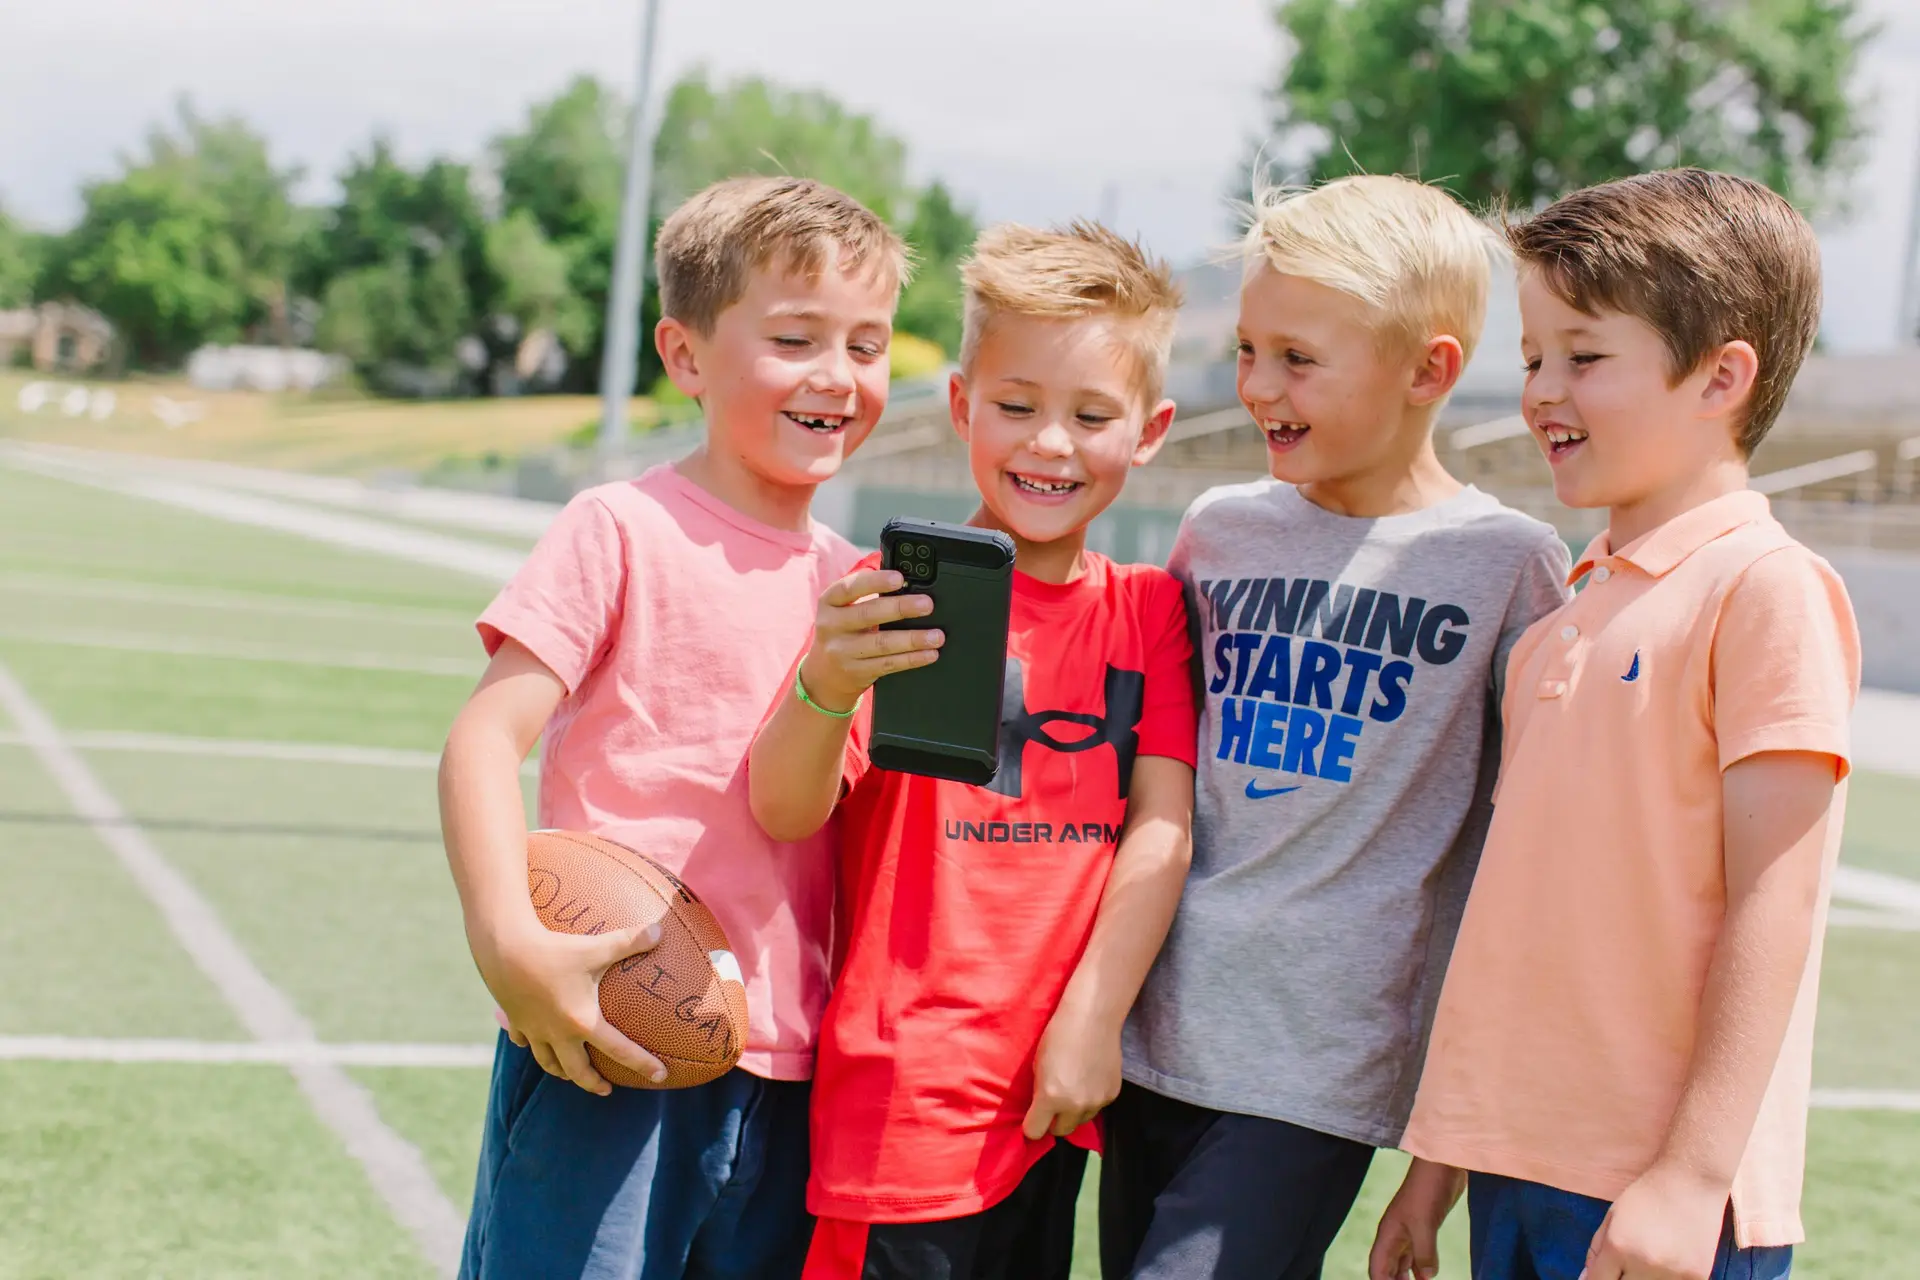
(547,984)
(1406,1245)
(796,764)
(1077,1071)
(1668,1223)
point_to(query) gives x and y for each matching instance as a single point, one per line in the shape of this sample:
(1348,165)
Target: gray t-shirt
(1350,675)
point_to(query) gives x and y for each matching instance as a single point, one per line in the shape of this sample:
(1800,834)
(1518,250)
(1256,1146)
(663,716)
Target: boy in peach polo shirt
(1623,1050)
(644,641)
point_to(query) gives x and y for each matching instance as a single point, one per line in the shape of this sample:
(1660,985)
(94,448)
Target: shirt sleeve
(1541,588)
(566,602)
(1786,661)
(1169,723)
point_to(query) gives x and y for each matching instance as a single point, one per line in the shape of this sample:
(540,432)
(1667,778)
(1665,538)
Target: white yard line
(193,647)
(1878,890)
(1866,1099)
(487,563)
(283,1053)
(484,511)
(1855,918)
(1886,732)
(246,749)
(393,1165)
(228,601)
(394,1054)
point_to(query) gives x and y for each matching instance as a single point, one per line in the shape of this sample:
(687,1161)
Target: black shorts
(1188,1192)
(1027,1236)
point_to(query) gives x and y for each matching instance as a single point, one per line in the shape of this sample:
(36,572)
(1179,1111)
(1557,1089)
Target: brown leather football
(684,1001)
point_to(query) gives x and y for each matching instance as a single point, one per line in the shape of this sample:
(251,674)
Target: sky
(1135,110)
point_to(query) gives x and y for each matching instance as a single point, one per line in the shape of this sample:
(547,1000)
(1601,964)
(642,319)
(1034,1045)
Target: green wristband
(801,691)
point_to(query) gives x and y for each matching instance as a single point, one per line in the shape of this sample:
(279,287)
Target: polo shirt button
(1602,574)
(1569,632)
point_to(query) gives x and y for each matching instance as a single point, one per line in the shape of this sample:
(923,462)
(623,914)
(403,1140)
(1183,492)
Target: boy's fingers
(543,1054)
(869,614)
(1039,1120)
(607,1039)
(573,1056)
(605,950)
(886,644)
(858,586)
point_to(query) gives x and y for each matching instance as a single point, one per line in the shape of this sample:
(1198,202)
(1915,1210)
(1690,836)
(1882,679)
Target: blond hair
(709,248)
(1082,271)
(1409,251)
(1702,257)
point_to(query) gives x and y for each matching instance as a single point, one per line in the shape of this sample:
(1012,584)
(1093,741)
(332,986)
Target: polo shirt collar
(1659,550)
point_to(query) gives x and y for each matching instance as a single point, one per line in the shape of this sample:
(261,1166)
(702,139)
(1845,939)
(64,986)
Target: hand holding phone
(850,651)
(944,721)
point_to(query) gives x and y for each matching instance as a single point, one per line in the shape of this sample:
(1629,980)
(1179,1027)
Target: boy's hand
(1407,1244)
(1075,1074)
(850,652)
(548,988)
(1666,1226)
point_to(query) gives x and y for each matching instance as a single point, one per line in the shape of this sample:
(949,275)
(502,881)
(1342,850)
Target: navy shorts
(1526,1231)
(707,1183)
(1187,1192)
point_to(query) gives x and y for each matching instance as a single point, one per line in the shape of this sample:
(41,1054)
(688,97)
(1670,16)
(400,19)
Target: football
(684,1001)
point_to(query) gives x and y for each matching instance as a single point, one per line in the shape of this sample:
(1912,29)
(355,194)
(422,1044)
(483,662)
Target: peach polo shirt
(1572,1003)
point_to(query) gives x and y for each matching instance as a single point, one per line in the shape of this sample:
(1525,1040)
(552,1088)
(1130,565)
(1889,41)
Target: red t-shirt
(966,909)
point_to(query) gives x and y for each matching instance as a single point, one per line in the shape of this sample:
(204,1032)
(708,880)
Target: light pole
(617,361)
(1910,276)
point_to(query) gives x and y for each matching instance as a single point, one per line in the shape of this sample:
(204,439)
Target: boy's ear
(1731,372)
(959,406)
(1440,363)
(676,345)
(1154,433)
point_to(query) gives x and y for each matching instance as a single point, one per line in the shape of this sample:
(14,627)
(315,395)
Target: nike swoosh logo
(1633,672)
(1256,792)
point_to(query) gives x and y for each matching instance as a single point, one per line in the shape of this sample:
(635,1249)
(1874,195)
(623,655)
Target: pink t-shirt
(673,619)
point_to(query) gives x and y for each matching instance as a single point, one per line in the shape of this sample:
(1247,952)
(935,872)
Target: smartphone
(943,720)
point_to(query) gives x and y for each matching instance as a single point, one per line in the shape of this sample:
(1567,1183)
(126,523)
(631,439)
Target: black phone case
(943,720)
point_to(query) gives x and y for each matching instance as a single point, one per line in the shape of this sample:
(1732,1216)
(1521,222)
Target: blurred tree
(20,253)
(564,169)
(1527,99)
(192,243)
(941,233)
(401,267)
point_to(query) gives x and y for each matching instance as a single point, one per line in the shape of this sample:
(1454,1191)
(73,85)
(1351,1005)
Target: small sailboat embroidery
(1633,672)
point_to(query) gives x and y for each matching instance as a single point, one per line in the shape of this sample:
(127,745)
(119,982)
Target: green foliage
(751,126)
(533,277)
(564,170)
(1524,100)
(192,243)
(941,233)
(401,267)
(21,252)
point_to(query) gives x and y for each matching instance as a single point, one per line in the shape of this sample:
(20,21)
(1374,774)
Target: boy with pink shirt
(1623,1050)
(644,641)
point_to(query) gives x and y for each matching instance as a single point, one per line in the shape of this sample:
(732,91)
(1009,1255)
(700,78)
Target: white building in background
(263,369)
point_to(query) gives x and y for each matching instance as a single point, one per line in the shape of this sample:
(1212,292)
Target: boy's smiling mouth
(1283,435)
(819,423)
(1561,440)
(1043,486)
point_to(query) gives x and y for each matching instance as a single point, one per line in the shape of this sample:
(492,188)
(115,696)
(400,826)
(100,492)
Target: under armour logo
(1118,728)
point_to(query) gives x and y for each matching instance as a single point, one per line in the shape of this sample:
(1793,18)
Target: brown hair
(710,246)
(1081,271)
(1704,258)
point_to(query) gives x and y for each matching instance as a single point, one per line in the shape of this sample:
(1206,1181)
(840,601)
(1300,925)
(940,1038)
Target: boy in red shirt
(996,936)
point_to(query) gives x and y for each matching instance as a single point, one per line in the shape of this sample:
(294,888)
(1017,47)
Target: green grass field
(328,873)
